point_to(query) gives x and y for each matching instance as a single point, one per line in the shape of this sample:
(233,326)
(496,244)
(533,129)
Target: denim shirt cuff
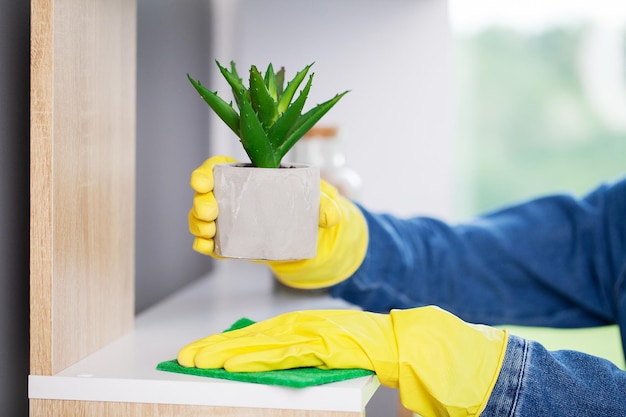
(505,393)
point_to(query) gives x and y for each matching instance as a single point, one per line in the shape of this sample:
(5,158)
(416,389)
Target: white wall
(394,56)
(171,142)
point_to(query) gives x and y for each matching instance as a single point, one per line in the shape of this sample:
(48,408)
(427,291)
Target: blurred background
(455,108)
(540,98)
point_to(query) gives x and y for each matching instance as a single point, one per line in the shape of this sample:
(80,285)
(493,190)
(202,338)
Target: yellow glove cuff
(341,248)
(473,355)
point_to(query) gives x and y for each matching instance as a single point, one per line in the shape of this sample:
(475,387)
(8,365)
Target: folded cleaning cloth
(295,378)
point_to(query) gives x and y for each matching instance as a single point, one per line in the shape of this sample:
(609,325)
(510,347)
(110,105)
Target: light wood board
(82,177)
(45,408)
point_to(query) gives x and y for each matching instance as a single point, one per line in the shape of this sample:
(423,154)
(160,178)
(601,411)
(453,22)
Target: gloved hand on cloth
(442,365)
(342,236)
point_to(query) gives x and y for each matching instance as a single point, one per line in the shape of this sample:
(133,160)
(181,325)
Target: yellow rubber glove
(442,365)
(341,243)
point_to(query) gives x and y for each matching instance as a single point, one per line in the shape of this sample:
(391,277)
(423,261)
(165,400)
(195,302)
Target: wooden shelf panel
(83,55)
(58,408)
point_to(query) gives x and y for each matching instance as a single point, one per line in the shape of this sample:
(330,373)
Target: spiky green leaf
(290,90)
(305,123)
(233,70)
(235,82)
(278,133)
(270,82)
(268,123)
(254,139)
(280,82)
(223,109)
(261,99)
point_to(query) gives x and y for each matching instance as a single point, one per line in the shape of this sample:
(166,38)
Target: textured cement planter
(267,213)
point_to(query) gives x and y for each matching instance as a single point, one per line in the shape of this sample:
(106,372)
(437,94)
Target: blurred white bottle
(322,146)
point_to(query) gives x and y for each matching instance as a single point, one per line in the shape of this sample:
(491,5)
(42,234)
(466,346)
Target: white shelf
(125,370)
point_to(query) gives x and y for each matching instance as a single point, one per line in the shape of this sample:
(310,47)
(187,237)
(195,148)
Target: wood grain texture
(41,248)
(46,408)
(82,177)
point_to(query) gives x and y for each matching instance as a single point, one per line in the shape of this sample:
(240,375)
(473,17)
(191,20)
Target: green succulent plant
(270,122)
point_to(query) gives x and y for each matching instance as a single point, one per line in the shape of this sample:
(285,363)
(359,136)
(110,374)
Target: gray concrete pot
(267,213)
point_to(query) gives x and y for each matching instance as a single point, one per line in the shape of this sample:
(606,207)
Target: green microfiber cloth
(295,378)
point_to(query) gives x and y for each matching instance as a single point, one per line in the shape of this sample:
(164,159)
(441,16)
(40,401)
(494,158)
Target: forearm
(536,382)
(553,261)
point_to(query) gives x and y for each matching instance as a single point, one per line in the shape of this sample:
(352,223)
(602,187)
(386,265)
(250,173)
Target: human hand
(204,210)
(342,237)
(442,365)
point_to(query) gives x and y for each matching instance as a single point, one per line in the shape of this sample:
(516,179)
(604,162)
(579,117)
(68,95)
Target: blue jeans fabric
(554,261)
(535,382)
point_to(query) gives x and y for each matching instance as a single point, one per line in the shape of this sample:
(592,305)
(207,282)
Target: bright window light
(541,98)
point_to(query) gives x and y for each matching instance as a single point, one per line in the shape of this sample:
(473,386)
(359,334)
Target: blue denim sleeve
(554,261)
(535,382)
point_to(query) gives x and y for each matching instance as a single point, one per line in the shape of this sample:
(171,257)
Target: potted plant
(267,209)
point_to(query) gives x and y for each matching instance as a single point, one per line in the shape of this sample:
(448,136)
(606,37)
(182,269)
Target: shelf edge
(350,395)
